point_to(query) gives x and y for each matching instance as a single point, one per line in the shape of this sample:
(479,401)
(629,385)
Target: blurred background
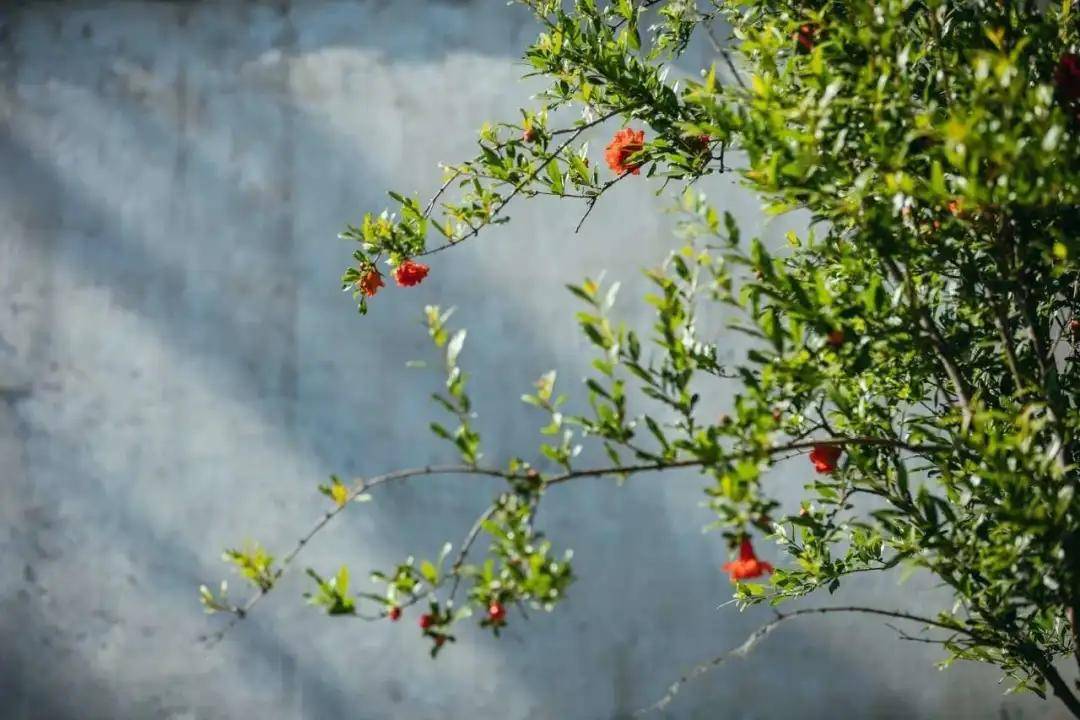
(179,371)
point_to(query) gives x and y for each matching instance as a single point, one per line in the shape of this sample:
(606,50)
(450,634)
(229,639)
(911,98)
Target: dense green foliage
(919,341)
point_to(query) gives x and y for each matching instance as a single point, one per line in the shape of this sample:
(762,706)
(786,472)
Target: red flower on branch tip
(825,457)
(426,621)
(410,273)
(835,338)
(1067,77)
(370,282)
(747,566)
(700,143)
(394,614)
(623,146)
(805,36)
(497,613)
(528,135)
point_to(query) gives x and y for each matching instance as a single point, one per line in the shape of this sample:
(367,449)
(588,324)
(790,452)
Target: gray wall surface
(179,371)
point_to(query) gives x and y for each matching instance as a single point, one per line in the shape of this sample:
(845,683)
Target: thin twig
(941,348)
(362,485)
(758,635)
(725,54)
(591,202)
(900,633)
(435,198)
(575,133)
(1001,320)
(474,532)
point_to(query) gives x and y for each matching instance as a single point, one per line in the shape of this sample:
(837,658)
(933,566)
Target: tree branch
(574,134)
(359,487)
(1050,673)
(1001,320)
(592,199)
(442,189)
(724,54)
(363,485)
(474,532)
(941,348)
(758,635)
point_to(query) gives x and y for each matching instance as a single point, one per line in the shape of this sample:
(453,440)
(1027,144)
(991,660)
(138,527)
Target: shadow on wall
(174,174)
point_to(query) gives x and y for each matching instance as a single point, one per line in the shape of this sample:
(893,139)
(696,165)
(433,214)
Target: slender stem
(363,485)
(574,134)
(591,202)
(1001,319)
(1053,677)
(474,532)
(775,450)
(435,198)
(759,634)
(941,348)
(1013,273)
(724,54)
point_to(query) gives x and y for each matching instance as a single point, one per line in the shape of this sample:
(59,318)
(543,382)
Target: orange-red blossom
(747,566)
(370,282)
(806,37)
(825,457)
(626,143)
(410,273)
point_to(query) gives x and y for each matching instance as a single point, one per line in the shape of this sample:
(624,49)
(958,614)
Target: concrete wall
(179,371)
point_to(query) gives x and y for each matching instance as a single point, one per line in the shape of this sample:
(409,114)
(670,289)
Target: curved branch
(759,634)
(363,485)
(574,134)
(474,532)
(937,341)
(439,193)
(715,42)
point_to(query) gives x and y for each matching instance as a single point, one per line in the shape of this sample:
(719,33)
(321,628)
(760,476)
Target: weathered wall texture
(179,371)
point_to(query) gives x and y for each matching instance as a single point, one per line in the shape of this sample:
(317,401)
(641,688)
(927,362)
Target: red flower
(394,614)
(497,613)
(426,621)
(625,144)
(410,273)
(1067,77)
(528,135)
(805,37)
(835,338)
(370,282)
(825,457)
(700,143)
(747,566)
